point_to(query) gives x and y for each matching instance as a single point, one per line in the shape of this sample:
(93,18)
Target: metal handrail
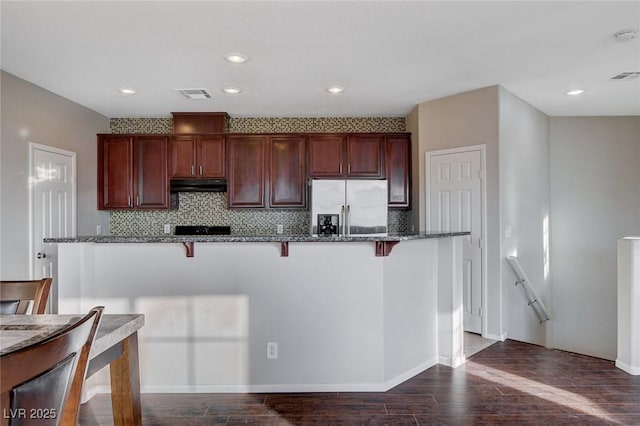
(534,300)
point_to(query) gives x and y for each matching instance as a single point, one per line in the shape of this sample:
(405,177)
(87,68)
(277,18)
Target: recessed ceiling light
(127,91)
(334,90)
(231,90)
(236,58)
(575,92)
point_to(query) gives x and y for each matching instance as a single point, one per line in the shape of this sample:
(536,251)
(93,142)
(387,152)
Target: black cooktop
(202,230)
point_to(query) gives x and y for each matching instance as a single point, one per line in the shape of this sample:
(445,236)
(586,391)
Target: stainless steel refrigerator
(349,207)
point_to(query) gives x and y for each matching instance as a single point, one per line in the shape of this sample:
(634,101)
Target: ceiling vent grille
(626,75)
(194,93)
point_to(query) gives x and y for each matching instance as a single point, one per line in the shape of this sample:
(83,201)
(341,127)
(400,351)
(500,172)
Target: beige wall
(469,118)
(567,186)
(595,200)
(32,114)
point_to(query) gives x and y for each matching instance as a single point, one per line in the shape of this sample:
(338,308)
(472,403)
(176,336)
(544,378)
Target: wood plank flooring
(508,383)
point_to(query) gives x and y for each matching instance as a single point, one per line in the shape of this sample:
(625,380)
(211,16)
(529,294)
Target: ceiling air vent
(626,75)
(194,93)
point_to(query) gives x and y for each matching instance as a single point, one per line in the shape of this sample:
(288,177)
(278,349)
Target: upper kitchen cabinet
(198,156)
(132,172)
(326,156)
(398,170)
(365,156)
(151,180)
(287,178)
(246,171)
(115,172)
(200,122)
(346,156)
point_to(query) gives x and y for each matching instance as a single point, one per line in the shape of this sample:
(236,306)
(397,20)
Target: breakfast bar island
(278,313)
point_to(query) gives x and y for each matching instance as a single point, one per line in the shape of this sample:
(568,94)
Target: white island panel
(343,319)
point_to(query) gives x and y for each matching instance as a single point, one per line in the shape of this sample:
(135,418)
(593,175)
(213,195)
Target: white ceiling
(390,55)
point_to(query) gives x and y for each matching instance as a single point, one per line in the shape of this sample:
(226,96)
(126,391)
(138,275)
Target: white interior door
(455,204)
(53,208)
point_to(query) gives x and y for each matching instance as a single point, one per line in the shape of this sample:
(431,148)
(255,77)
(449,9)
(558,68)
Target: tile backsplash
(210,208)
(271,124)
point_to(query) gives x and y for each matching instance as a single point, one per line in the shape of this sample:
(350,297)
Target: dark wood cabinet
(115,172)
(365,156)
(326,156)
(262,170)
(346,156)
(246,171)
(200,122)
(132,172)
(198,156)
(151,177)
(398,170)
(287,176)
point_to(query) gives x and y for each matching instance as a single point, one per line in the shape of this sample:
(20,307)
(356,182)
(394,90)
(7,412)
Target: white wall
(32,114)
(595,200)
(524,198)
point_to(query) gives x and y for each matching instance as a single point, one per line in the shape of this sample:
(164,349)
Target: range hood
(198,185)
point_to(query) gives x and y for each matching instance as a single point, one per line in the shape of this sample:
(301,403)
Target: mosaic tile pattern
(210,209)
(271,124)
(319,124)
(141,125)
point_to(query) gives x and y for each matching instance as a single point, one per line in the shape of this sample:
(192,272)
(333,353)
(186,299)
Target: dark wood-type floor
(508,383)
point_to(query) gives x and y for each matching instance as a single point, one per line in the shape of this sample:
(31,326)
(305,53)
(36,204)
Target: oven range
(202,230)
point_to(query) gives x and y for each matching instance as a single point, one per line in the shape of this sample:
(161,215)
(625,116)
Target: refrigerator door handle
(347,219)
(343,219)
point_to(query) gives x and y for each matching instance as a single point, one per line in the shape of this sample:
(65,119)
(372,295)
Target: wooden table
(116,345)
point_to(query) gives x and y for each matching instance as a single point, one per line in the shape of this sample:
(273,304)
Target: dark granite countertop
(299,238)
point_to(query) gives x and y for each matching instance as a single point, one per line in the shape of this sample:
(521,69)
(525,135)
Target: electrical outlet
(167,228)
(279,229)
(272,350)
(98,229)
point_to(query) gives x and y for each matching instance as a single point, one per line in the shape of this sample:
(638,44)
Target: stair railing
(534,300)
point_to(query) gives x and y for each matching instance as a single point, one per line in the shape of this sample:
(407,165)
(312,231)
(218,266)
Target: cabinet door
(246,171)
(183,157)
(326,156)
(115,172)
(287,179)
(398,170)
(364,156)
(210,157)
(151,175)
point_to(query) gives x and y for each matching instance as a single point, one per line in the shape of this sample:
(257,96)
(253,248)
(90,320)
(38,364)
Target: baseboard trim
(401,378)
(631,369)
(91,391)
(501,337)
(283,388)
(452,362)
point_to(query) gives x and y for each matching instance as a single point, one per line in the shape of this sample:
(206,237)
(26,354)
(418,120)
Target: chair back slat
(51,371)
(34,293)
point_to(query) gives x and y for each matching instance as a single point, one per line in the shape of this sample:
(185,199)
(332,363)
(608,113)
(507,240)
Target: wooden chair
(16,295)
(42,383)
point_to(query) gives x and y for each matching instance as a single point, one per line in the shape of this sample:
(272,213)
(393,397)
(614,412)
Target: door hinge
(480,312)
